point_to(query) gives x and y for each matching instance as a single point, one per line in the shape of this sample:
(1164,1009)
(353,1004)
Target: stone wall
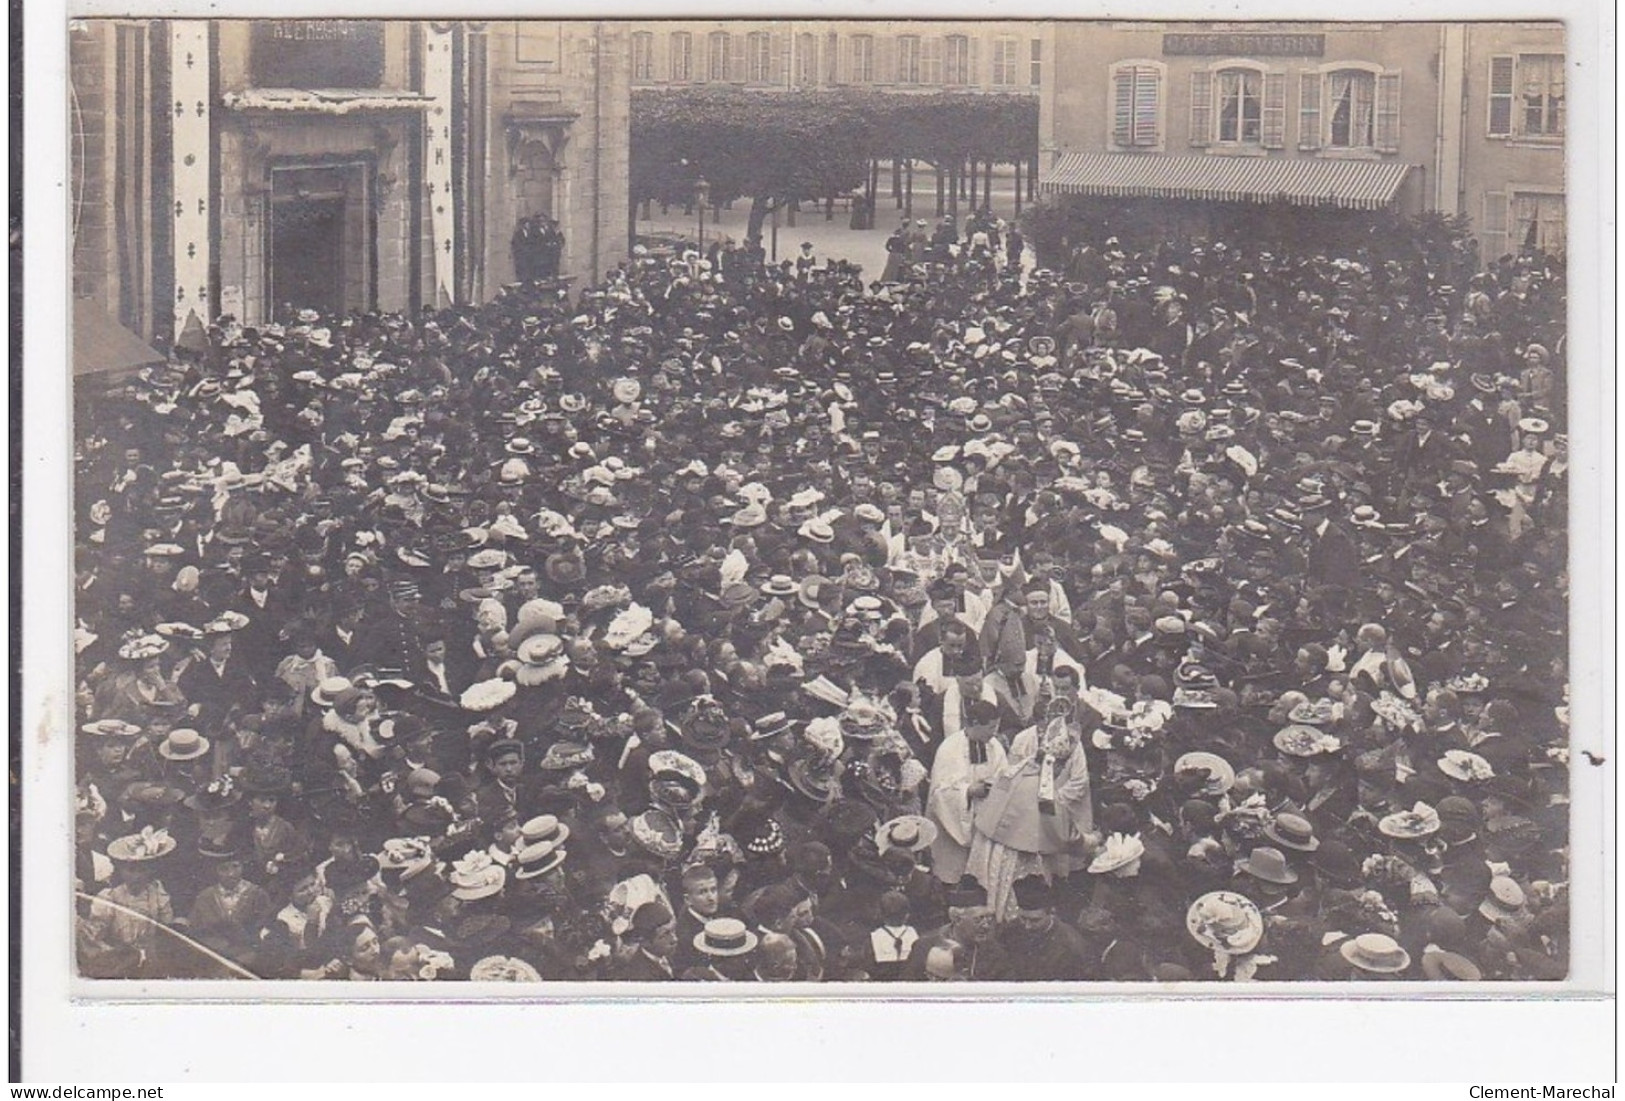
(90,61)
(560,111)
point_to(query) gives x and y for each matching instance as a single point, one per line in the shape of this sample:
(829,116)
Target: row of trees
(775,150)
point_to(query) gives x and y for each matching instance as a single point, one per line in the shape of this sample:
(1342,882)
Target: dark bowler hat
(966,893)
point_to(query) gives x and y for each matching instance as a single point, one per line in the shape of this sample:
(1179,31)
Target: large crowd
(1187,614)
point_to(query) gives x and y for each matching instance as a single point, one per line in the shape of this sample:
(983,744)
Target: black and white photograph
(828,503)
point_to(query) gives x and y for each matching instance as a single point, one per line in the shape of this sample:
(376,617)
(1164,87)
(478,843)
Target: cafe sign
(1243,44)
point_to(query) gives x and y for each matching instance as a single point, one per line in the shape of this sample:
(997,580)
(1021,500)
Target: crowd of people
(985,239)
(1198,615)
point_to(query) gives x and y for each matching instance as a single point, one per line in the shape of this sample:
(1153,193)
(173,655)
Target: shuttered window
(717,56)
(956,59)
(1354,109)
(643,57)
(1492,227)
(1201,107)
(1502,79)
(931,60)
(1004,61)
(1387,135)
(1274,134)
(758,58)
(1309,111)
(1241,105)
(908,59)
(863,59)
(1136,106)
(682,57)
(806,60)
(886,61)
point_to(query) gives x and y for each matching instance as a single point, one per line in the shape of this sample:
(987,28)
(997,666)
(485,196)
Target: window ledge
(1532,141)
(1333,154)
(1237,151)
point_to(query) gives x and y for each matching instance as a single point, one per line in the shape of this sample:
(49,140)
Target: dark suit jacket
(640,968)
(1334,557)
(219,692)
(257,643)
(345,655)
(1059,954)
(490,800)
(280,836)
(458,677)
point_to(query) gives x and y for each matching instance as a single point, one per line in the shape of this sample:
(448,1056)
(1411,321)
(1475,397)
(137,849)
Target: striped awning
(1306,181)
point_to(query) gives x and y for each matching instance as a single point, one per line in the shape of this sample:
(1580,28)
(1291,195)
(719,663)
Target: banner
(189,89)
(437,84)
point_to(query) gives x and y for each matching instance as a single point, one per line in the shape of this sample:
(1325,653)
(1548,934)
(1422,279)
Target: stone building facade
(994,57)
(1191,120)
(253,168)
(1513,120)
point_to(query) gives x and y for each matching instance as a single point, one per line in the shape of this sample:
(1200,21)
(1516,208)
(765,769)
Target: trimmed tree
(770,149)
(776,149)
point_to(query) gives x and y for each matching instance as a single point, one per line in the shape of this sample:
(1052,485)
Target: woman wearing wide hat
(129,915)
(140,691)
(103,753)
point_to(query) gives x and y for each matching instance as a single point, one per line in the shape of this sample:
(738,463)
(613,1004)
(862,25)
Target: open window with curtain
(1541,80)
(1351,106)
(1538,222)
(1241,106)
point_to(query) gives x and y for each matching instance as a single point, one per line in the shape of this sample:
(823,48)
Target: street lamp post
(702,195)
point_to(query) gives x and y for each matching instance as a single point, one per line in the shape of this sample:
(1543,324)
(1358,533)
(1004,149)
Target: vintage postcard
(820,502)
